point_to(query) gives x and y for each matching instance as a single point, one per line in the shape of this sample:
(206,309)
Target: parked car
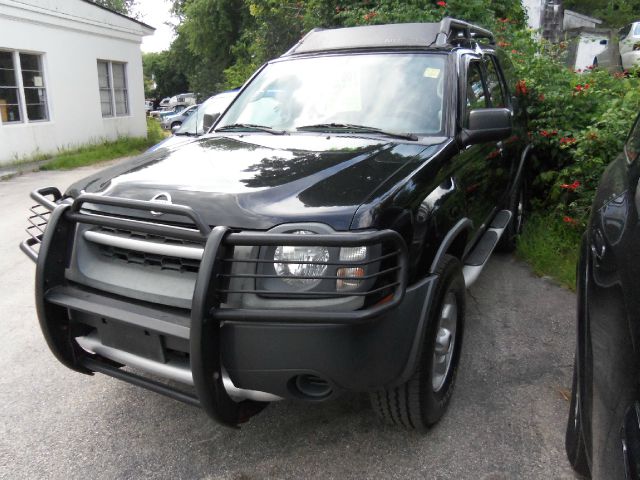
(162,113)
(603,431)
(319,240)
(148,106)
(183,99)
(165,101)
(630,45)
(195,124)
(627,53)
(170,122)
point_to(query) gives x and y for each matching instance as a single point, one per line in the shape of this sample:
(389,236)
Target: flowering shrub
(578,123)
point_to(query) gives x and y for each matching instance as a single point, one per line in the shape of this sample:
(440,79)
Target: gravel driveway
(506,419)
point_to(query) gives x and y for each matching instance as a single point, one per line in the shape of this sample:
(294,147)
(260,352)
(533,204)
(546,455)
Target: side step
(478,257)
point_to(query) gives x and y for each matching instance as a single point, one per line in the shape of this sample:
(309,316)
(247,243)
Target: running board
(176,370)
(475,261)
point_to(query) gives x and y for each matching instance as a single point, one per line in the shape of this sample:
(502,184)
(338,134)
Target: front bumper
(258,350)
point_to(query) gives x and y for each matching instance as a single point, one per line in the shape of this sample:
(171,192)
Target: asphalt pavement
(506,419)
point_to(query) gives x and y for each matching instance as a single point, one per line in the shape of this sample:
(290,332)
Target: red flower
(503,20)
(541,97)
(515,52)
(442,4)
(521,87)
(569,220)
(544,133)
(370,15)
(502,44)
(567,140)
(573,186)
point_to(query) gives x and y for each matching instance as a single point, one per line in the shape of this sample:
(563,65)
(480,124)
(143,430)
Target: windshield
(391,92)
(193,125)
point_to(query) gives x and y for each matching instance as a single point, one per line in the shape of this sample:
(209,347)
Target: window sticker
(431,72)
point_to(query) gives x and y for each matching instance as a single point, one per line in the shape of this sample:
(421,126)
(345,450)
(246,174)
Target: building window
(112,81)
(33,83)
(23,95)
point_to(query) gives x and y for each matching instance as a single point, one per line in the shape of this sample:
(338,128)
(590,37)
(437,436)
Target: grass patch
(551,247)
(90,154)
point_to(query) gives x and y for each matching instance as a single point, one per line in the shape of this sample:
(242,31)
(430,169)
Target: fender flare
(461,226)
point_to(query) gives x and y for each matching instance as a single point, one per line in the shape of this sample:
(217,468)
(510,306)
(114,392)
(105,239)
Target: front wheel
(421,401)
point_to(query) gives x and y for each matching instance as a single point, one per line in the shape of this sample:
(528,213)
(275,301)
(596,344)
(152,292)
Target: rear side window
(476,94)
(632,147)
(494,85)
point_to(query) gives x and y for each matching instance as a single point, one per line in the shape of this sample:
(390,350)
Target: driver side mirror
(487,125)
(208,120)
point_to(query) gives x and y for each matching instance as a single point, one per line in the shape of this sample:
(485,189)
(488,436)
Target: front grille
(144,258)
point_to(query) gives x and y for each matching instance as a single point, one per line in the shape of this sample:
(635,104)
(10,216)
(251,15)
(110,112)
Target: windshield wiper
(355,128)
(250,126)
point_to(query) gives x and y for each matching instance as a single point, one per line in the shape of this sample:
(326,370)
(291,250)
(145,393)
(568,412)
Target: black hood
(259,181)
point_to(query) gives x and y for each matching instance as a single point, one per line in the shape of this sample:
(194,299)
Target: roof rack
(454,31)
(449,32)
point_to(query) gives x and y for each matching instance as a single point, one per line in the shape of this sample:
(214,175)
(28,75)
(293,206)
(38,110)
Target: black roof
(448,32)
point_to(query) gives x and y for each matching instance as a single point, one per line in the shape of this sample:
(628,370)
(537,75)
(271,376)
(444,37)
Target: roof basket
(456,31)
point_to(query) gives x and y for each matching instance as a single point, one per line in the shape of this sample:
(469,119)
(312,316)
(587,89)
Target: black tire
(416,404)
(517,207)
(574,438)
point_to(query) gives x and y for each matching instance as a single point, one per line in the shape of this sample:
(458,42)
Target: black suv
(319,239)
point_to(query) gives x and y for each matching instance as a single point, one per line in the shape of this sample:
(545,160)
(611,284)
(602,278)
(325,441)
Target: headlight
(302,270)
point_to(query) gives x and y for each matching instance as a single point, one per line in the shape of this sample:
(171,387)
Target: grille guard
(206,313)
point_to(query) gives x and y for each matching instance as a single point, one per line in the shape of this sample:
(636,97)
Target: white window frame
(112,89)
(22,100)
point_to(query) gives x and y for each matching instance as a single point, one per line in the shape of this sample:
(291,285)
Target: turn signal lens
(353,254)
(349,283)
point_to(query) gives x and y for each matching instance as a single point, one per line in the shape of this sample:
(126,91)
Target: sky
(155,13)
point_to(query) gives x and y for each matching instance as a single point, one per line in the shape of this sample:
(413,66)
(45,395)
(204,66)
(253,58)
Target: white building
(70,74)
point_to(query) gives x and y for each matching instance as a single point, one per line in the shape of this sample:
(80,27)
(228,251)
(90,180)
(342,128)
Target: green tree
(121,6)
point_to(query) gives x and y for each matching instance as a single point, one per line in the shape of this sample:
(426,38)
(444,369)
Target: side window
(476,95)
(624,31)
(632,147)
(494,85)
